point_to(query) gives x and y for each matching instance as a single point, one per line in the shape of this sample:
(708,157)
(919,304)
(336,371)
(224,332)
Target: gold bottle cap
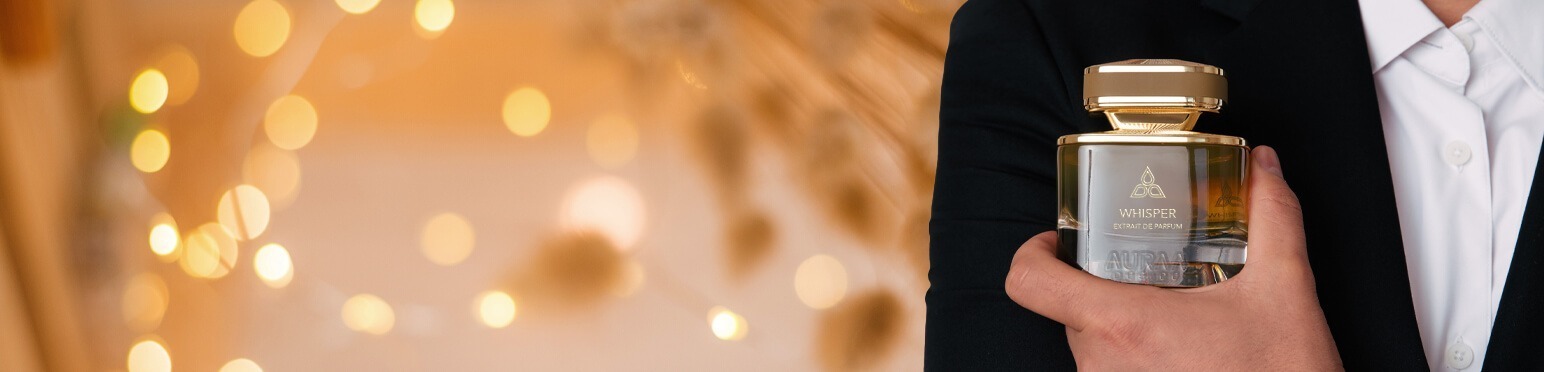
(1153,84)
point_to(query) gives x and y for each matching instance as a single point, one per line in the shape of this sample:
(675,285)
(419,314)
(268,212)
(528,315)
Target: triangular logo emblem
(1229,196)
(1148,188)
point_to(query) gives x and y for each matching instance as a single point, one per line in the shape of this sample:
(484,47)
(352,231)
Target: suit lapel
(1300,82)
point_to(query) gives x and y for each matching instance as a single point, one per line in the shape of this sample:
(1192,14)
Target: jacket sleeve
(1004,103)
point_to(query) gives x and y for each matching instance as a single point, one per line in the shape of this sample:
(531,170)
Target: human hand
(1266,317)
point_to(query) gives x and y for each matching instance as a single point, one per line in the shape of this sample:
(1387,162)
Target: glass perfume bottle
(1153,202)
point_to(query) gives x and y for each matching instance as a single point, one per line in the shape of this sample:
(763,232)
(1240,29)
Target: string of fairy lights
(271,174)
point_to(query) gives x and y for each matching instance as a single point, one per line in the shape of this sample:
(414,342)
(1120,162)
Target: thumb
(1276,239)
(1040,282)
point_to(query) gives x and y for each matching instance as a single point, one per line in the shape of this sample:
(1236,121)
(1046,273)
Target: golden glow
(149,356)
(727,325)
(144,302)
(496,309)
(290,122)
(262,27)
(164,236)
(275,171)
(688,76)
(181,71)
(820,281)
(150,151)
(447,239)
(369,314)
(357,6)
(434,16)
(243,211)
(612,141)
(527,111)
(609,205)
(148,91)
(208,252)
(633,277)
(241,365)
(273,266)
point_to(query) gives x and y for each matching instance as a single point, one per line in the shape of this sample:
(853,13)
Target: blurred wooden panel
(27,34)
(18,349)
(39,190)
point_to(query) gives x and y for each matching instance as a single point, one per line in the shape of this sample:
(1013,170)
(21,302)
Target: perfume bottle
(1152,202)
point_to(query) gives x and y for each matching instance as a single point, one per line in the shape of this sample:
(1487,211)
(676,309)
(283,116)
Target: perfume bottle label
(1159,214)
(1137,211)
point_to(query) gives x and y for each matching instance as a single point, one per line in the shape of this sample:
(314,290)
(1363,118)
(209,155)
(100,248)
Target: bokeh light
(369,314)
(606,204)
(527,111)
(208,252)
(181,71)
(688,76)
(447,239)
(820,281)
(496,309)
(262,27)
(241,365)
(201,254)
(290,122)
(164,237)
(583,233)
(357,6)
(144,302)
(433,16)
(147,93)
(727,325)
(150,151)
(275,171)
(243,211)
(149,356)
(273,266)
(612,140)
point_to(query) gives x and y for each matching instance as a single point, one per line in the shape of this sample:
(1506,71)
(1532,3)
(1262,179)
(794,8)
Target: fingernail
(1266,160)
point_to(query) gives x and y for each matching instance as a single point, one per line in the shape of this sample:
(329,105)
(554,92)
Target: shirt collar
(1393,26)
(1516,27)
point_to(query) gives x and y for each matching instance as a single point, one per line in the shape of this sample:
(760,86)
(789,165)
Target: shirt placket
(1460,248)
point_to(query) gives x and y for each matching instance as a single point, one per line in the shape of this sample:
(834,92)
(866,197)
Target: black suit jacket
(1300,81)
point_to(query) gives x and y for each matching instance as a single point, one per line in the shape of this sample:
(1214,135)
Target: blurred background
(245,185)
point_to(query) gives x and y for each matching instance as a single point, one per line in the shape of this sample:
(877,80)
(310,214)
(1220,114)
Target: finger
(1040,282)
(1276,237)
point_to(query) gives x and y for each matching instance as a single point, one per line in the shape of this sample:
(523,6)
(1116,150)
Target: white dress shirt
(1463,118)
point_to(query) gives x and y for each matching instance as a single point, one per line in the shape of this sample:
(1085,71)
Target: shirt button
(1457,153)
(1459,355)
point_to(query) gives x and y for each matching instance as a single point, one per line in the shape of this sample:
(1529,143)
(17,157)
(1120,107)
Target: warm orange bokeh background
(653,184)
